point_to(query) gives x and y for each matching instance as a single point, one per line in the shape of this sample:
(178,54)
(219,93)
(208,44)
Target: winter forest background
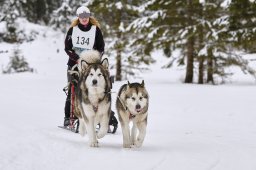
(209,35)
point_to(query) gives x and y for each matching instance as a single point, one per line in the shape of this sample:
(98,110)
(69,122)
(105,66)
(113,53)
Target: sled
(71,129)
(73,122)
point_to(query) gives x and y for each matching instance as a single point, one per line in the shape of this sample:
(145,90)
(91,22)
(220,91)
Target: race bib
(83,40)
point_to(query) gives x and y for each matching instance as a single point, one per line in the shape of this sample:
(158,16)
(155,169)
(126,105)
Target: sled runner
(70,128)
(73,121)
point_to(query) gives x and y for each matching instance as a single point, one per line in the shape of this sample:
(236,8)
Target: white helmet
(83,12)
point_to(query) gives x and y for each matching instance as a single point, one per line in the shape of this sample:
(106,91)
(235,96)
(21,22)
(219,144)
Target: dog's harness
(131,116)
(95,108)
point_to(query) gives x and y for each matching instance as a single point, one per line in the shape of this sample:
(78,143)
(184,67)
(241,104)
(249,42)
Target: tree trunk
(201,70)
(119,50)
(190,60)
(118,66)
(210,67)
(201,46)
(190,47)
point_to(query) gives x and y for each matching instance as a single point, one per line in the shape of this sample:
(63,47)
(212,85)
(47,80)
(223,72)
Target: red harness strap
(72,116)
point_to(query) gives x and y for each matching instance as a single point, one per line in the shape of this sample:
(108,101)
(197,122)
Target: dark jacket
(99,43)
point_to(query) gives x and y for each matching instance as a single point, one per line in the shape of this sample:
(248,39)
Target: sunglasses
(84,15)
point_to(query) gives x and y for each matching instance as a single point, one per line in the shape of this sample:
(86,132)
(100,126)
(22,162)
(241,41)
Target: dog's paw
(100,135)
(126,145)
(138,144)
(94,144)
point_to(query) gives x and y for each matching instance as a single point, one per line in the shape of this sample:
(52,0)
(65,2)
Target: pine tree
(62,16)
(40,11)
(208,39)
(220,45)
(228,39)
(11,11)
(169,25)
(17,63)
(242,24)
(198,28)
(115,16)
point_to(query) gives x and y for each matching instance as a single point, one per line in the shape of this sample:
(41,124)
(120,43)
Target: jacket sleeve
(69,46)
(99,41)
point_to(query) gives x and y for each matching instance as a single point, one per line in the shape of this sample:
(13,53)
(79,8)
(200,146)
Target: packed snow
(190,126)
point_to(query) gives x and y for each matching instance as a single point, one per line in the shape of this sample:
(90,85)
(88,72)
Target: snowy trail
(218,134)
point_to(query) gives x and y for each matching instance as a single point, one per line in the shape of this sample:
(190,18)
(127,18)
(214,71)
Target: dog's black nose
(94,82)
(137,106)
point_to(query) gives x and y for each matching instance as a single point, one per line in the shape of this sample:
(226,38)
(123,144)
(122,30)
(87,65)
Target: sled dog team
(93,102)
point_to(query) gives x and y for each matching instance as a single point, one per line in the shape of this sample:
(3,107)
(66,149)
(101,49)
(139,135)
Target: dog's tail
(90,56)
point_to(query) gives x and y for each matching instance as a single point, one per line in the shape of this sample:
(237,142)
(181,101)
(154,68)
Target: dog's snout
(94,82)
(137,106)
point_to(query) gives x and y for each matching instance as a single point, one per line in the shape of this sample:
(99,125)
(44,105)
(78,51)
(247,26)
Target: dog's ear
(105,63)
(142,83)
(83,65)
(129,84)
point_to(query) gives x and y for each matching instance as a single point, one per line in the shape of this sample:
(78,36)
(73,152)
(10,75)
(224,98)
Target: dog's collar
(131,116)
(95,108)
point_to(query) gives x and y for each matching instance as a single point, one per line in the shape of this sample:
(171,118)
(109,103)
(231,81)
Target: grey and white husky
(132,106)
(92,96)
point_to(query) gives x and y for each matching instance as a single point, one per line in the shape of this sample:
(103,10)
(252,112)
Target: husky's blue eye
(99,74)
(141,98)
(91,74)
(133,98)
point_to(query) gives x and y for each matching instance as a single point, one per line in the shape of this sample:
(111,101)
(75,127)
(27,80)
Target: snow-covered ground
(190,127)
